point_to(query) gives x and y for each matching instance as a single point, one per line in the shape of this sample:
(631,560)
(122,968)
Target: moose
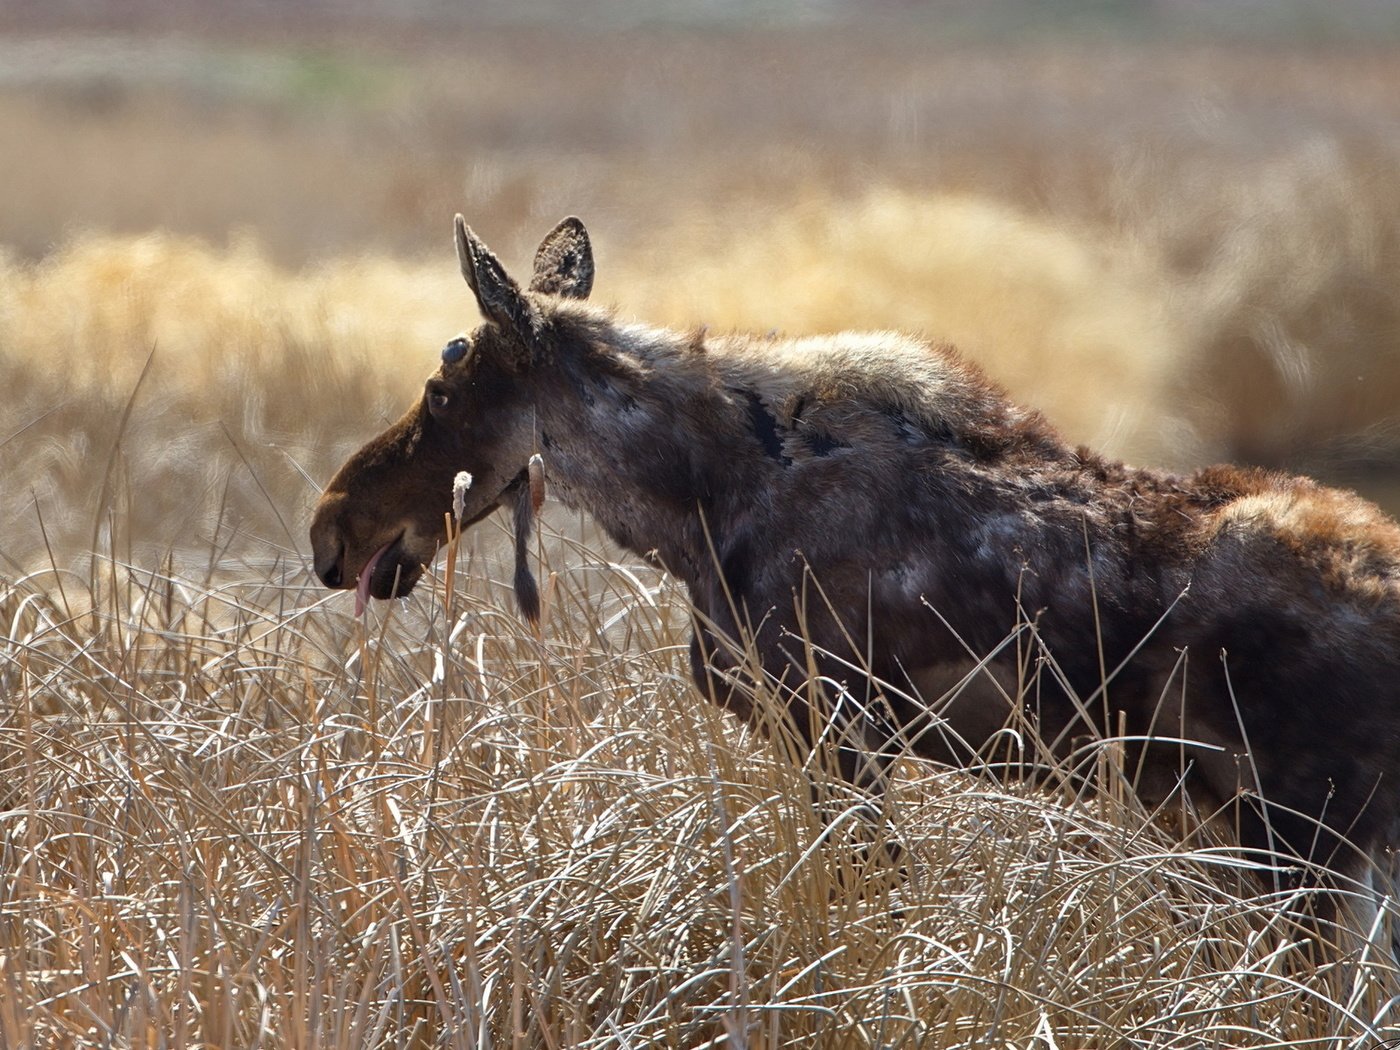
(868,524)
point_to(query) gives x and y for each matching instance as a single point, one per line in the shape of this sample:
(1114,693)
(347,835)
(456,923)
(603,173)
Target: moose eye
(455,350)
(437,398)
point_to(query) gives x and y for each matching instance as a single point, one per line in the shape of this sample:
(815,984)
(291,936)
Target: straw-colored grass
(232,816)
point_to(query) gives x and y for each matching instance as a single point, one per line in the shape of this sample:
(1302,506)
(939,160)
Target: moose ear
(564,262)
(499,297)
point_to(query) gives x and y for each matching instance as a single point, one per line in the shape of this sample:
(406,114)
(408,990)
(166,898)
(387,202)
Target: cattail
(460,484)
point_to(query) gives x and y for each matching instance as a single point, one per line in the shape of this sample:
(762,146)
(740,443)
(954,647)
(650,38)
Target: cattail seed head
(460,484)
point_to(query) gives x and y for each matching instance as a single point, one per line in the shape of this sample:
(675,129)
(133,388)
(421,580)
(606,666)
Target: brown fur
(878,498)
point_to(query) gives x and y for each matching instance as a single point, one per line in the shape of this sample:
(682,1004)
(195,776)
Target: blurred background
(225,260)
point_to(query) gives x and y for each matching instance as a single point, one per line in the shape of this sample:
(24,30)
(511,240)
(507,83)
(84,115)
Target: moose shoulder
(870,506)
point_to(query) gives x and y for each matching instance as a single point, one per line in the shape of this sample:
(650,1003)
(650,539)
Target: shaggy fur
(870,507)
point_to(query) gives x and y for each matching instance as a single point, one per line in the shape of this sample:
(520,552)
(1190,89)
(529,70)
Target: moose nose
(330,569)
(328,542)
(331,575)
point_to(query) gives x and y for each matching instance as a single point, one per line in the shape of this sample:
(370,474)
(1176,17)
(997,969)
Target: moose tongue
(362,584)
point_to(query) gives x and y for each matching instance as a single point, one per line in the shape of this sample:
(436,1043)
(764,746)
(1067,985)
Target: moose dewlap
(870,506)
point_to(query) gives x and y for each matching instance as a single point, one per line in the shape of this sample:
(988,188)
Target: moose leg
(854,731)
(854,734)
(1336,882)
(863,742)
(865,746)
(715,674)
(849,744)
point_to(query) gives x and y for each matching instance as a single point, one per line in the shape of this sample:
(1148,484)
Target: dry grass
(236,817)
(185,399)
(232,816)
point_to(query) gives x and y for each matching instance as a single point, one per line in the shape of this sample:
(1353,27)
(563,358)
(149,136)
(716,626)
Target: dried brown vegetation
(232,816)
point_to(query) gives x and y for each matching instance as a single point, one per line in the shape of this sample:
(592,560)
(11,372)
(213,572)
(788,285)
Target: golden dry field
(232,815)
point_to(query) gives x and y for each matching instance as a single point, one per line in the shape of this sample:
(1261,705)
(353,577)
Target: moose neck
(635,430)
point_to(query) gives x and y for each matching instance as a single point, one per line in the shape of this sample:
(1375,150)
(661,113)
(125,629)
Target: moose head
(380,520)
